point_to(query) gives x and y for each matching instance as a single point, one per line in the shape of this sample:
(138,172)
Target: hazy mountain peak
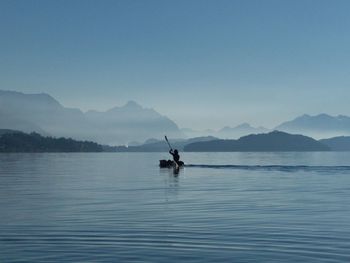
(43,95)
(319,126)
(226,128)
(132,104)
(323,116)
(20,100)
(151,140)
(43,114)
(244,125)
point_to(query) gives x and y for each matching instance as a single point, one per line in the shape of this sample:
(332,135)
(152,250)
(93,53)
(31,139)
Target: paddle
(166,138)
(171,148)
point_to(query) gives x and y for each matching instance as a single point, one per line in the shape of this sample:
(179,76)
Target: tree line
(34,142)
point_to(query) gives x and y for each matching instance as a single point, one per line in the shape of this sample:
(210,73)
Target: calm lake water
(224,207)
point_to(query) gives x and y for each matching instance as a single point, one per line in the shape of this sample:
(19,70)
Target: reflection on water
(171,183)
(262,207)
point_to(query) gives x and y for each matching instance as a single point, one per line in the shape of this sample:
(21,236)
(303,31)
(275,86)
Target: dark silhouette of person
(175,155)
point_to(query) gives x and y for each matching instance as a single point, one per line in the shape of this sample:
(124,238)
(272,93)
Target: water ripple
(104,208)
(285,168)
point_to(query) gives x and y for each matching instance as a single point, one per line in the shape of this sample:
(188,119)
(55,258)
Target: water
(223,207)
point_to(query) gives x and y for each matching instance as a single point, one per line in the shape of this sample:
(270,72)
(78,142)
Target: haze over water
(109,207)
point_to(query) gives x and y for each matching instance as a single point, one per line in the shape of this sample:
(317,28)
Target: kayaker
(175,155)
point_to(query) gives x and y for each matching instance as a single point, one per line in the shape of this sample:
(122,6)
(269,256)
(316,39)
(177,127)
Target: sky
(204,64)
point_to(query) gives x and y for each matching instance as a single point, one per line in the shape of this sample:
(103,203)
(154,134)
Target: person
(175,155)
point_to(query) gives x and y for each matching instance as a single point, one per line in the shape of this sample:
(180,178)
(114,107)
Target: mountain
(43,114)
(318,126)
(226,132)
(273,141)
(40,113)
(132,122)
(161,145)
(238,131)
(14,111)
(341,143)
(189,133)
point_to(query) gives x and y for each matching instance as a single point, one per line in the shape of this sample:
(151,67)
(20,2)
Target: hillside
(43,114)
(227,132)
(318,126)
(273,141)
(341,143)
(23,142)
(161,145)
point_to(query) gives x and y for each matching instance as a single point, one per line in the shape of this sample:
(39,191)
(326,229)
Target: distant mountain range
(273,141)
(239,131)
(161,145)
(43,114)
(17,141)
(227,132)
(132,124)
(318,126)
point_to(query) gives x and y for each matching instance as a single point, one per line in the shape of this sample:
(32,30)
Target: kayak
(169,164)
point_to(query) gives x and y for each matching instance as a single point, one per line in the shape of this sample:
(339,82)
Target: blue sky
(205,64)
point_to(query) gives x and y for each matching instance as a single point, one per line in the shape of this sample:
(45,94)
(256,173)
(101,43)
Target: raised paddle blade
(166,138)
